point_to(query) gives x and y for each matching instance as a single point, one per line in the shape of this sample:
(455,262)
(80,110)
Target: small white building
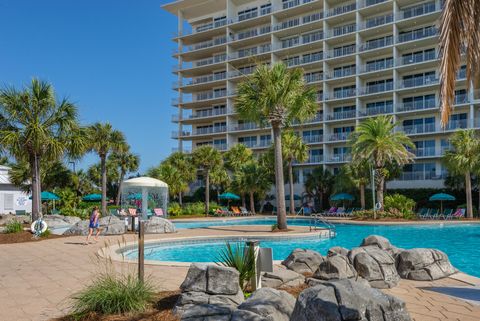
(12,199)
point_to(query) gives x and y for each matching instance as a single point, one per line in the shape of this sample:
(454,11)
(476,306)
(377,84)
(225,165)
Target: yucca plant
(241,258)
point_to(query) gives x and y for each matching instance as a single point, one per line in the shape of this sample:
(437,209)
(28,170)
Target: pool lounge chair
(340,212)
(245,211)
(132,211)
(158,212)
(348,212)
(447,214)
(236,211)
(424,213)
(330,212)
(459,213)
(434,214)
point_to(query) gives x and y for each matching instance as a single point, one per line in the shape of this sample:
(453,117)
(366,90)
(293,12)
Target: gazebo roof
(144,181)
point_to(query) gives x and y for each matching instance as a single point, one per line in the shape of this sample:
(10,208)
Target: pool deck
(37,279)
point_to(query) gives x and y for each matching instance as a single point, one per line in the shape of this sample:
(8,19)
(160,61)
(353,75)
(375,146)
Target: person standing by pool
(94,225)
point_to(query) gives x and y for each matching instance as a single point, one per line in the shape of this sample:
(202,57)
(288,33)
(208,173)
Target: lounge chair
(225,212)
(434,214)
(132,211)
(459,213)
(236,211)
(245,211)
(447,214)
(340,212)
(349,212)
(423,213)
(158,212)
(330,212)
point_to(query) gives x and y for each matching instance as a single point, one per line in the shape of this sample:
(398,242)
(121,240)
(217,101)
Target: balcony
(369,3)
(204,27)
(377,66)
(208,113)
(313,159)
(178,134)
(420,10)
(416,105)
(243,53)
(342,9)
(377,111)
(343,72)
(318,118)
(209,130)
(416,35)
(312,139)
(205,44)
(299,41)
(206,95)
(203,80)
(419,129)
(377,88)
(292,4)
(424,152)
(309,78)
(376,22)
(298,22)
(341,52)
(244,126)
(418,58)
(340,31)
(418,81)
(239,73)
(342,115)
(200,63)
(420,176)
(340,158)
(304,60)
(377,43)
(220,147)
(338,137)
(341,94)
(251,33)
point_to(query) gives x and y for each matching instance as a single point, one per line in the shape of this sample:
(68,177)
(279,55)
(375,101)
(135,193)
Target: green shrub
(239,257)
(174,209)
(113,294)
(213,208)
(274,227)
(194,208)
(392,213)
(13,227)
(46,234)
(399,202)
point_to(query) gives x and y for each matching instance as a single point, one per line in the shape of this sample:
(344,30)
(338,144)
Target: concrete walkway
(37,279)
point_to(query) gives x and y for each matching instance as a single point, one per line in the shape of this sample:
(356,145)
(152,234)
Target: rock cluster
(303,261)
(424,264)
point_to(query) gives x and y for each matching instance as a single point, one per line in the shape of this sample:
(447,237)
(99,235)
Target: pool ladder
(318,221)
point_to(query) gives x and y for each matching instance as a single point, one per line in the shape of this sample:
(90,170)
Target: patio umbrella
(442,197)
(228,196)
(46,196)
(137,196)
(342,197)
(92,198)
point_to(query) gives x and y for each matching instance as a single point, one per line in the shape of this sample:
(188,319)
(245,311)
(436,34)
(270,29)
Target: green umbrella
(48,196)
(342,197)
(228,196)
(442,197)
(137,196)
(92,198)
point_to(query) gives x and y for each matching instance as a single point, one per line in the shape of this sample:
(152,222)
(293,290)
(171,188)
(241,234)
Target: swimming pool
(460,241)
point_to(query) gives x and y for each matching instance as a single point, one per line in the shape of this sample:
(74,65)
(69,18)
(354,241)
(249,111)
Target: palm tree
(126,163)
(359,173)
(252,178)
(183,163)
(463,160)
(219,179)
(459,32)
(207,159)
(376,142)
(318,183)
(170,175)
(234,158)
(294,150)
(276,96)
(104,140)
(36,128)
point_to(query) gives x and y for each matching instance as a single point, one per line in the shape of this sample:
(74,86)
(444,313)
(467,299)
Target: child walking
(94,225)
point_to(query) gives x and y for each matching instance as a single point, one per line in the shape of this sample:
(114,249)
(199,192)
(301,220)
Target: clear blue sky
(111,57)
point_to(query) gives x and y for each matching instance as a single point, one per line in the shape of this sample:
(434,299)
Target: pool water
(461,242)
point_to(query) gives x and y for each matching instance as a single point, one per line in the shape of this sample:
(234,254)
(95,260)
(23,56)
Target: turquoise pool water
(461,242)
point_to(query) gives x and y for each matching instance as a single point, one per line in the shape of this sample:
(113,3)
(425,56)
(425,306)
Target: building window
(8,201)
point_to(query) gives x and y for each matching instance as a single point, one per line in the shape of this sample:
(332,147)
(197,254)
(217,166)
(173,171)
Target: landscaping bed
(22,237)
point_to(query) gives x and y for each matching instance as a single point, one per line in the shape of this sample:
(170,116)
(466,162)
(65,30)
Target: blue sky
(111,57)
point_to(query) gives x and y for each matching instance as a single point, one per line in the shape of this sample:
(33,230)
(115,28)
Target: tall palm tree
(184,164)
(126,163)
(219,179)
(376,142)
(252,178)
(276,96)
(207,159)
(234,158)
(459,31)
(170,175)
(318,183)
(35,127)
(104,140)
(359,173)
(463,160)
(294,150)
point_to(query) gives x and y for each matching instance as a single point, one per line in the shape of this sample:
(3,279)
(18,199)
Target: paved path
(37,279)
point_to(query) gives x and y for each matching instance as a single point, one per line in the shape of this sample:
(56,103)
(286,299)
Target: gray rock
(347,300)
(303,261)
(109,225)
(269,304)
(60,222)
(335,267)
(222,280)
(206,312)
(8,218)
(244,315)
(375,265)
(159,225)
(423,264)
(80,228)
(382,243)
(281,277)
(196,279)
(337,250)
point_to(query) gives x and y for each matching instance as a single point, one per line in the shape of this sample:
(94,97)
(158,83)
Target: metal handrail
(316,219)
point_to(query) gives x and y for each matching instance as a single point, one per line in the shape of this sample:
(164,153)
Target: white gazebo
(148,196)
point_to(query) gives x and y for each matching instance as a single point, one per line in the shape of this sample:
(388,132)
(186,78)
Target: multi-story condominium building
(364,58)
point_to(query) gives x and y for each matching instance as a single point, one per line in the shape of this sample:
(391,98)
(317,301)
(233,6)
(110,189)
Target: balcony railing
(417,82)
(209,130)
(304,60)
(309,78)
(342,9)
(340,52)
(424,152)
(338,136)
(244,72)
(208,113)
(298,41)
(340,31)
(377,88)
(416,105)
(342,115)
(292,3)
(344,72)
(177,134)
(380,65)
(251,33)
(368,3)
(377,111)
(377,43)
(250,51)
(312,139)
(346,93)
(420,176)
(416,35)
(299,21)
(414,59)
(313,159)
(338,158)
(204,27)
(377,21)
(220,147)
(205,44)
(419,129)
(244,126)
(420,10)
(205,79)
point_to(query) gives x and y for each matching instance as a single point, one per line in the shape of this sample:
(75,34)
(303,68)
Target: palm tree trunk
(103,166)
(380,185)
(279,181)
(180,201)
(207,192)
(119,193)
(290,181)
(244,204)
(468,192)
(362,196)
(36,208)
(252,203)
(320,200)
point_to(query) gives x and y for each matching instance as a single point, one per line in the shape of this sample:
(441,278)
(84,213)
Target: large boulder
(55,222)
(266,304)
(423,264)
(109,225)
(347,300)
(382,243)
(8,218)
(159,225)
(337,250)
(375,265)
(303,261)
(335,267)
(209,292)
(281,277)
